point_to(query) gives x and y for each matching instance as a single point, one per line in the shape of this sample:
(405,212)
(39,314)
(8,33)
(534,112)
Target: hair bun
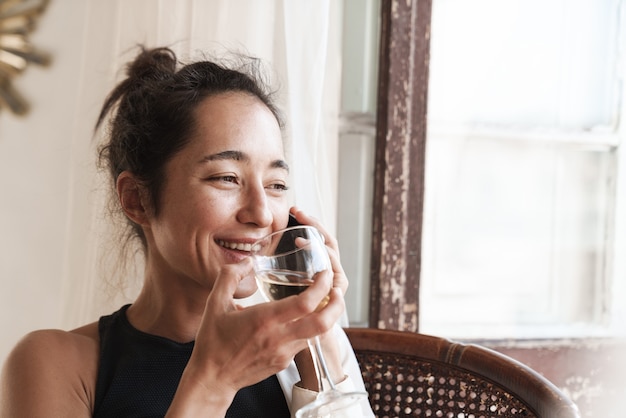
(152,64)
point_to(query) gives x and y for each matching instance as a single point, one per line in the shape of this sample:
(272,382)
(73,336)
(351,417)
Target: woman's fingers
(321,320)
(227,283)
(295,307)
(308,314)
(305,219)
(340,279)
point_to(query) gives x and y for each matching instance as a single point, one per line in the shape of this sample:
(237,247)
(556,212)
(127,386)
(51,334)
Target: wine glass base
(332,403)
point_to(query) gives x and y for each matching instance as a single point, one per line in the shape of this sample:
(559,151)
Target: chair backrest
(410,374)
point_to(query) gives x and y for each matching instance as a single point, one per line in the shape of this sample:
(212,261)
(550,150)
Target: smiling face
(224,190)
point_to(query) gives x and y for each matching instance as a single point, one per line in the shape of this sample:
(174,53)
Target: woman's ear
(133,199)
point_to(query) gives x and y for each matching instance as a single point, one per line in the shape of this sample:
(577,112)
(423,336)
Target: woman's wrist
(194,398)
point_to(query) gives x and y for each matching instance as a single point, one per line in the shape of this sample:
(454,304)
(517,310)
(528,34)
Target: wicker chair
(409,374)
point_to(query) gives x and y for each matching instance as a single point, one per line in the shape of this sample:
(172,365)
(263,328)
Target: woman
(197,163)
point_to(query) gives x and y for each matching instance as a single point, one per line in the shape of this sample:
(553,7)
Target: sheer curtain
(299,42)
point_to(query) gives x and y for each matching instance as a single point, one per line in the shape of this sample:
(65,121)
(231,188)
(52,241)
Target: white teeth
(236,245)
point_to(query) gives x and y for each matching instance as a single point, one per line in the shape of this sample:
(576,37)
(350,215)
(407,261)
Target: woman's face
(225,189)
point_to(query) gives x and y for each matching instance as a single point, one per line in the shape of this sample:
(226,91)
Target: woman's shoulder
(80,345)
(51,369)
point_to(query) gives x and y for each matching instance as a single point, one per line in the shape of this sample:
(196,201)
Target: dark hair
(152,112)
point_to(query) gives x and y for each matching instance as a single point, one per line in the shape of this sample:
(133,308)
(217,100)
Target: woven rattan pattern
(403,386)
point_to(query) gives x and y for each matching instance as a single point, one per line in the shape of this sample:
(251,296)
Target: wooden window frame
(399,164)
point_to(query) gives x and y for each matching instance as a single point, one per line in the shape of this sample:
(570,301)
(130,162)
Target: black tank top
(138,375)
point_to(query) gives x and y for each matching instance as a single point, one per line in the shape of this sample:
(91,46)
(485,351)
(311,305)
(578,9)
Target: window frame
(393,282)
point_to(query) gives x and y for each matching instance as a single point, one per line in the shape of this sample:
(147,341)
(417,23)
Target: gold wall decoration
(18,19)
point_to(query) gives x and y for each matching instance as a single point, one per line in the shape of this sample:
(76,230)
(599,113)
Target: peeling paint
(399,176)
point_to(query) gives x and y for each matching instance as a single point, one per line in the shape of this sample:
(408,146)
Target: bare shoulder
(51,373)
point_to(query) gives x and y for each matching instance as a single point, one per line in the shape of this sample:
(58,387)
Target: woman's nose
(254,208)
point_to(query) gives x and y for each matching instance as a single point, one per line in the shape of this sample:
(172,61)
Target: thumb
(227,282)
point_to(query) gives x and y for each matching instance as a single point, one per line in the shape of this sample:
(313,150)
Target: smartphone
(292,221)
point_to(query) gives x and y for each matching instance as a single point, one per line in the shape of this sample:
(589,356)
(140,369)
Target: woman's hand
(340,280)
(236,347)
(330,347)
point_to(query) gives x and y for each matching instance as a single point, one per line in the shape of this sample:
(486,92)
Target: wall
(590,372)
(37,171)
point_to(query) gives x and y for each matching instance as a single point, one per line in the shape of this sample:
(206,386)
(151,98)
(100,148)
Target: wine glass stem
(320,364)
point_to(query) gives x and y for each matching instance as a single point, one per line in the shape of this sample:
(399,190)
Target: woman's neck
(169,307)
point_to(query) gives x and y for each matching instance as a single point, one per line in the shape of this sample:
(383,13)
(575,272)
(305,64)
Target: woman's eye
(225,179)
(279,187)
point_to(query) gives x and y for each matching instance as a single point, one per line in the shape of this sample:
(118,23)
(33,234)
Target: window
(523,189)
(522,168)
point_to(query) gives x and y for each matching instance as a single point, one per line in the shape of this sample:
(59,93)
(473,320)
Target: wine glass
(286,262)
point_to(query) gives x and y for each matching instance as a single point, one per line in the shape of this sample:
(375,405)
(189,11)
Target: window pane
(514,236)
(519,211)
(532,63)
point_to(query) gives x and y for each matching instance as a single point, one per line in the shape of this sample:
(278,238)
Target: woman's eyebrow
(280,164)
(241,156)
(225,155)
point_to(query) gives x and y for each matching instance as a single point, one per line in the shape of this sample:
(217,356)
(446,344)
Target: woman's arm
(50,373)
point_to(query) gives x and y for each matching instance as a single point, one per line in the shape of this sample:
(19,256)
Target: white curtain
(298,40)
